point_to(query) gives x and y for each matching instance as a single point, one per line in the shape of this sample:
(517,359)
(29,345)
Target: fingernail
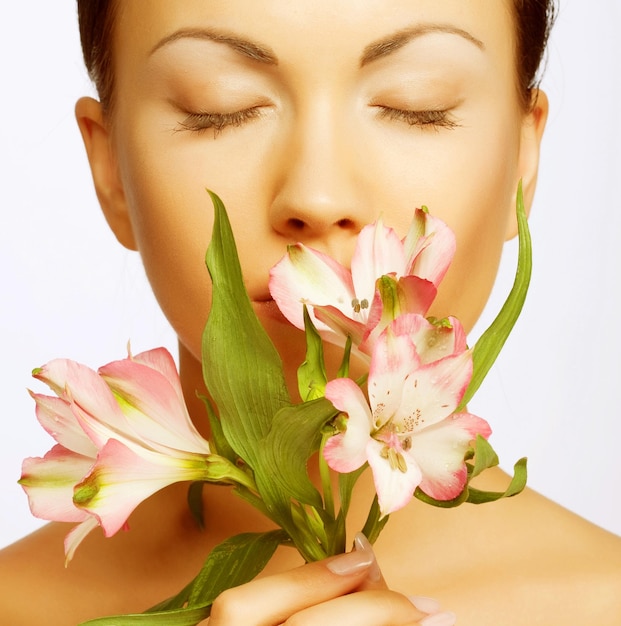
(446,618)
(351,562)
(362,544)
(424,604)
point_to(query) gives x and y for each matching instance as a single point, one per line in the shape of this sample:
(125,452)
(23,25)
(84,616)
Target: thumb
(374,578)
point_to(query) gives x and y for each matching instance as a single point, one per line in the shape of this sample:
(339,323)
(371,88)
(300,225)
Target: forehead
(333,30)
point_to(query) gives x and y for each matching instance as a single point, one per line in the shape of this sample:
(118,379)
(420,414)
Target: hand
(348,589)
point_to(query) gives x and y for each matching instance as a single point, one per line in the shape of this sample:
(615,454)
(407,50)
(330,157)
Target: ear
(533,125)
(104,170)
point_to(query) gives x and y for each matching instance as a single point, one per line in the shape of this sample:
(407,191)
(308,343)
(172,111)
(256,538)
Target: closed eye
(432,119)
(202,121)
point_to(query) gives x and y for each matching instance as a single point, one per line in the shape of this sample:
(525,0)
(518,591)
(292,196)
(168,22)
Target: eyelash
(200,122)
(433,119)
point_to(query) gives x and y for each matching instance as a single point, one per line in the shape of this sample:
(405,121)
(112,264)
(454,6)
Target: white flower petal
(394,487)
(75,537)
(433,391)
(439,451)
(392,360)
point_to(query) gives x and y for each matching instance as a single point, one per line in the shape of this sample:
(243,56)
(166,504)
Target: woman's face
(309,119)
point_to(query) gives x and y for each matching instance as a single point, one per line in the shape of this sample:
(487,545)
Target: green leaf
(484,456)
(344,367)
(187,617)
(517,485)
(241,367)
(346,486)
(195,502)
(312,376)
(284,452)
(217,440)
(493,339)
(442,504)
(233,562)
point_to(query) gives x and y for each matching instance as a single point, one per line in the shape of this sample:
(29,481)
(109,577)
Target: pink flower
(122,434)
(408,430)
(344,302)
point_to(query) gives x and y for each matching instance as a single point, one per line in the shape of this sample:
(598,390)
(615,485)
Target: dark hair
(534,19)
(96,21)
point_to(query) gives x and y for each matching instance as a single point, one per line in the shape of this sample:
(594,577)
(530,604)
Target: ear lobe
(104,170)
(533,126)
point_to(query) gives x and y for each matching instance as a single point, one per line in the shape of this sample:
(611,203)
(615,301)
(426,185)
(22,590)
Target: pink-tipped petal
(308,276)
(346,451)
(378,251)
(340,324)
(122,479)
(160,360)
(432,342)
(416,294)
(152,406)
(439,451)
(57,418)
(431,251)
(49,481)
(91,401)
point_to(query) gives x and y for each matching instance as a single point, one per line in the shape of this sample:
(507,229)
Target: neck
(191,374)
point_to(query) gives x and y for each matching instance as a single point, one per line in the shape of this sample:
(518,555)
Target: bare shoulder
(126,573)
(525,561)
(32,577)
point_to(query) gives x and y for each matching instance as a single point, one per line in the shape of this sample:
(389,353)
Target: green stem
(326,479)
(375,523)
(310,544)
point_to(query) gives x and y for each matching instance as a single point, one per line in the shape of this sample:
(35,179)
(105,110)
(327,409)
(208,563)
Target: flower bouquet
(124,432)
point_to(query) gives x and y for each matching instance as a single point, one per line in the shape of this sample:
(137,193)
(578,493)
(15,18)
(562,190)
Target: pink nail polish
(425,604)
(362,544)
(351,563)
(446,618)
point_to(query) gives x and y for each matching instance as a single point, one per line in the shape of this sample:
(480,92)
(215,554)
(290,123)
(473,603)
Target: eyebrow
(257,52)
(392,43)
(248,48)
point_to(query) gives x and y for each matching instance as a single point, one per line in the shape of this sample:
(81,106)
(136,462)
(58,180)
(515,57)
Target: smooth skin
(310,119)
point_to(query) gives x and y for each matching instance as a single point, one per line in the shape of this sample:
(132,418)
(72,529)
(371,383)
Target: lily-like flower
(122,434)
(344,302)
(408,430)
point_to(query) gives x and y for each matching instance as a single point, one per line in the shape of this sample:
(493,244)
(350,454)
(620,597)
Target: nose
(320,198)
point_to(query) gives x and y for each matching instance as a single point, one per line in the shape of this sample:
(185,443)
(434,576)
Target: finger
(374,578)
(273,599)
(364,608)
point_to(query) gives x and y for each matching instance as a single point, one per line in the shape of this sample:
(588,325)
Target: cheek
(469,180)
(172,217)
(486,205)
(165,179)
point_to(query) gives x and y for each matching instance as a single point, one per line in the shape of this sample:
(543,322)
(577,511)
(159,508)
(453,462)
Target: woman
(284,113)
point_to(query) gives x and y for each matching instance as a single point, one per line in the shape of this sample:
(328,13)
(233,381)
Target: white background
(68,289)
